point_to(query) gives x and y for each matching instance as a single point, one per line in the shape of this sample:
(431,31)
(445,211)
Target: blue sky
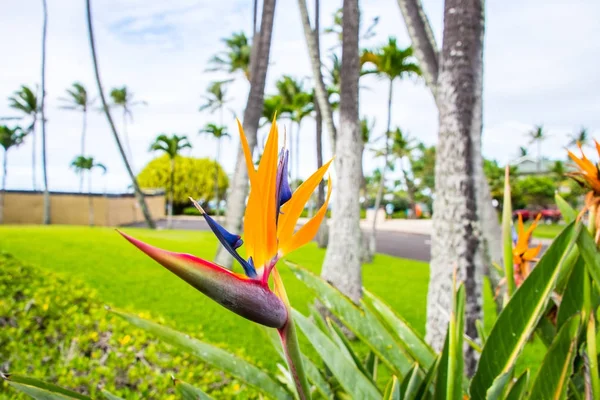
(541,61)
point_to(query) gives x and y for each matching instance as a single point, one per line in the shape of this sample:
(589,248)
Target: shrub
(58,330)
(193,177)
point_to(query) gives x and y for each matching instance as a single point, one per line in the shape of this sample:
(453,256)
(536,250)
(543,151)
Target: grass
(547,231)
(127,279)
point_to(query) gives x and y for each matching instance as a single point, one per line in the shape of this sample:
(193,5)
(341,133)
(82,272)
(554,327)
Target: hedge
(58,330)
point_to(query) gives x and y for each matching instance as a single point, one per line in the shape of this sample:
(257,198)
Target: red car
(549,215)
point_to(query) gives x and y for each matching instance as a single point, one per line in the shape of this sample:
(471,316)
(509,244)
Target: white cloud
(540,67)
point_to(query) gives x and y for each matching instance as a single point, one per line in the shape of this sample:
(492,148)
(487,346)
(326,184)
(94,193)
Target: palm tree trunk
(138,192)
(342,266)
(323,229)
(2,194)
(315,63)
(254,17)
(218,210)
(239,183)
(379,196)
(90,197)
(43,114)
(539,157)
(456,241)
(33,153)
(83,129)
(171,194)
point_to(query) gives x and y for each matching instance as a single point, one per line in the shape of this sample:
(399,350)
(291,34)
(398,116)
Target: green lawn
(126,278)
(547,231)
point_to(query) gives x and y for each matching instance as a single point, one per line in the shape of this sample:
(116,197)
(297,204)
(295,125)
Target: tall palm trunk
(83,129)
(386,155)
(90,197)
(138,192)
(456,239)
(321,94)
(33,153)
(342,265)
(2,194)
(171,194)
(217,208)
(252,115)
(43,115)
(539,157)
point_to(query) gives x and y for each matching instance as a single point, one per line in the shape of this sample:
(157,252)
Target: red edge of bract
(156,252)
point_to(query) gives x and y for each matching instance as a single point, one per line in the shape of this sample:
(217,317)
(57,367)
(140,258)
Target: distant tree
(123,98)
(26,101)
(523,151)
(235,58)
(215,99)
(81,165)
(537,190)
(402,148)
(219,133)
(582,138)
(78,100)
(538,135)
(171,146)
(9,138)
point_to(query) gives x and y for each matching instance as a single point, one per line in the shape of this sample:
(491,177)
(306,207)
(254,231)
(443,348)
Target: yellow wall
(73,209)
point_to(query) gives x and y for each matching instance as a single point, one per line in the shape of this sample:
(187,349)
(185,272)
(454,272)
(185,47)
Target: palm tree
(236,200)
(582,138)
(170,145)
(26,101)
(82,164)
(43,115)
(342,264)
(538,135)
(402,148)
(523,151)
(123,98)
(136,188)
(392,63)
(218,132)
(78,100)
(273,107)
(235,58)
(215,99)
(9,137)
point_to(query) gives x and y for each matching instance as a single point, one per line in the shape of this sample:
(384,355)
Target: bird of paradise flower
(270,220)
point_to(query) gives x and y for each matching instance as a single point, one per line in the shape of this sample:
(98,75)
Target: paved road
(407,245)
(413,246)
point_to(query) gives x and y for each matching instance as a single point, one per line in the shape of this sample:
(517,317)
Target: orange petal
(308,231)
(247,152)
(530,254)
(293,208)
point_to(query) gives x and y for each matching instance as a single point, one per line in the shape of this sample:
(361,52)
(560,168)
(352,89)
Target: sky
(540,67)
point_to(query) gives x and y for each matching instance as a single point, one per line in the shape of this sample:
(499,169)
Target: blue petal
(230,242)
(283,192)
(515,237)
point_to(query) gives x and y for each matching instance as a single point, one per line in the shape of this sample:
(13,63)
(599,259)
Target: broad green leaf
(361,322)
(41,390)
(410,384)
(371,364)
(576,293)
(565,270)
(546,331)
(392,390)
(214,356)
(592,356)
(481,331)
(109,396)
(426,387)
(568,213)
(518,319)
(406,334)
(507,243)
(589,251)
(555,371)
(498,388)
(189,392)
(441,381)
(342,367)
(456,332)
(313,373)
(518,389)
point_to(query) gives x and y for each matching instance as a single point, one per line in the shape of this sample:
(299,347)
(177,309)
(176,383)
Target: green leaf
(481,331)
(410,384)
(555,371)
(568,213)
(518,319)
(576,293)
(546,331)
(392,390)
(507,243)
(214,356)
(361,322)
(41,390)
(406,334)
(592,356)
(371,364)
(426,388)
(565,271)
(441,381)
(189,392)
(498,388)
(518,389)
(456,332)
(589,251)
(109,396)
(341,366)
